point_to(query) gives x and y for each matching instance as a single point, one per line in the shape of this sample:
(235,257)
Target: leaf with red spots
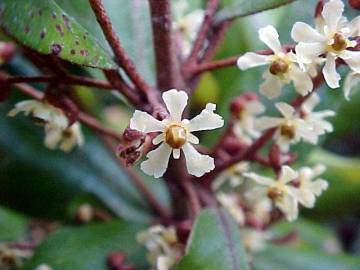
(43,26)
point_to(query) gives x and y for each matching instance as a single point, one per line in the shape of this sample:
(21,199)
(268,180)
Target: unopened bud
(237,105)
(251,96)
(85,213)
(354,4)
(7,51)
(319,8)
(132,135)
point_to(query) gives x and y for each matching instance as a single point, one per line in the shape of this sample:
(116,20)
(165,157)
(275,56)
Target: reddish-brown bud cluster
(116,261)
(354,4)
(238,103)
(131,148)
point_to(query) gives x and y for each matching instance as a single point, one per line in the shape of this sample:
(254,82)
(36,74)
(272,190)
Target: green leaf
(87,247)
(43,26)
(285,258)
(242,8)
(215,243)
(41,177)
(12,225)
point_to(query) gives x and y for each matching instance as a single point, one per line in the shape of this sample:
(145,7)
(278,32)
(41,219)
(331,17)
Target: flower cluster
(58,133)
(163,246)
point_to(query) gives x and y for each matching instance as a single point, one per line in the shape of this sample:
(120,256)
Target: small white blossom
(57,131)
(290,128)
(283,67)
(65,139)
(332,38)
(231,203)
(316,119)
(351,81)
(187,25)
(279,191)
(176,135)
(255,240)
(233,175)
(308,186)
(244,126)
(162,244)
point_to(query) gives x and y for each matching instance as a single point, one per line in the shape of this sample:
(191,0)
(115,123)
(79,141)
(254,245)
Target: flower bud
(319,8)
(84,214)
(354,4)
(115,260)
(7,51)
(132,135)
(237,106)
(251,96)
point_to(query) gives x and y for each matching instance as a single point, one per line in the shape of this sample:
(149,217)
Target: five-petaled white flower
(316,119)
(278,190)
(332,38)
(163,246)
(57,131)
(176,135)
(308,186)
(244,126)
(290,128)
(283,67)
(233,175)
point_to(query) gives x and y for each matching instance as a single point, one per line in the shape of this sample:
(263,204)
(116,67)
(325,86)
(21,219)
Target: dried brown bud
(354,4)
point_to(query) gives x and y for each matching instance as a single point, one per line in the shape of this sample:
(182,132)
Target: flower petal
(260,179)
(308,53)
(176,102)
(250,60)
(157,161)
(302,32)
(206,120)
(287,174)
(144,122)
(193,139)
(310,103)
(332,14)
(267,122)
(270,37)
(285,109)
(351,80)
(271,87)
(289,207)
(158,139)
(352,58)
(176,153)
(302,81)
(196,163)
(331,76)
(354,26)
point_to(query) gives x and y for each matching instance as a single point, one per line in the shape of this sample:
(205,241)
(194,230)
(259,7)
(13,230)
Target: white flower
(162,244)
(332,38)
(176,135)
(290,128)
(308,186)
(283,68)
(279,191)
(57,131)
(255,240)
(351,81)
(232,174)
(41,111)
(65,139)
(187,25)
(244,126)
(231,203)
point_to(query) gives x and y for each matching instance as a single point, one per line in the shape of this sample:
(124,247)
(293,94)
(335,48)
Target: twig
(166,69)
(203,32)
(122,58)
(70,79)
(192,195)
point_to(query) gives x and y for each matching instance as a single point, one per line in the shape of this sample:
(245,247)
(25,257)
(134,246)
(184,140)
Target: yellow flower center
(279,67)
(175,136)
(276,193)
(288,130)
(340,43)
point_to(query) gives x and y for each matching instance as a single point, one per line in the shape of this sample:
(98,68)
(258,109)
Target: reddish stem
(122,58)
